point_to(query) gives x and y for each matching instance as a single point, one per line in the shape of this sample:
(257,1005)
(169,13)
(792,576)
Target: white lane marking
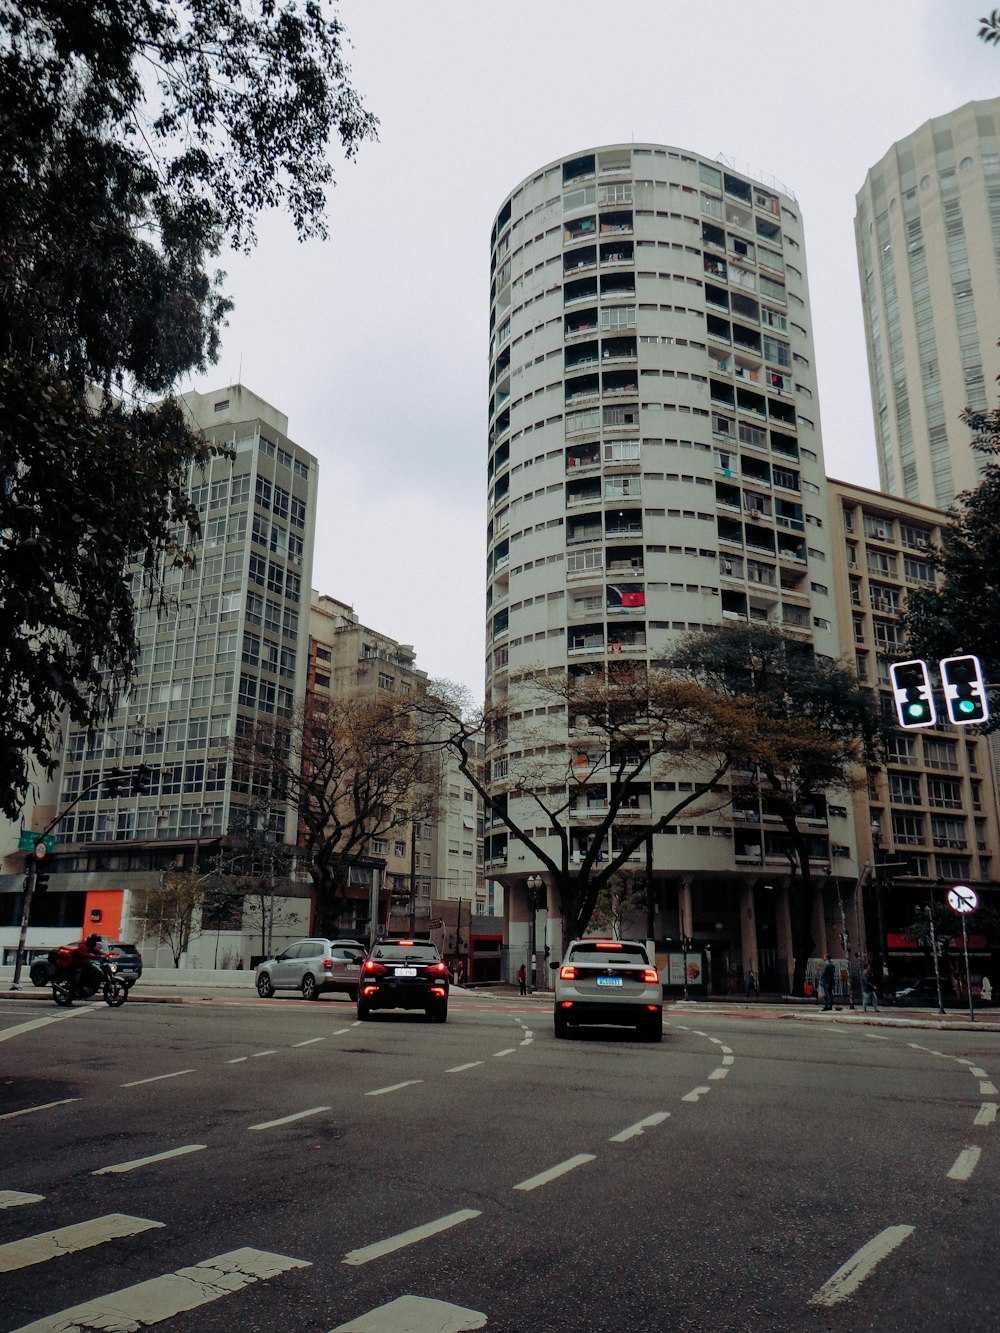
(45,1106)
(511,1050)
(157,1078)
(528,1041)
(728,1059)
(694,1094)
(40,1023)
(238,1060)
(310,1040)
(727,1050)
(965,1163)
(287,1119)
(718,1073)
(394,1087)
(696,1032)
(716,1040)
(554,1172)
(164,1297)
(339,1032)
(255,1055)
(120,1167)
(16,1198)
(411,1237)
(639,1127)
(874,1036)
(976,1072)
(850,1276)
(460,1069)
(415,1314)
(986,1114)
(987,1090)
(67,1240)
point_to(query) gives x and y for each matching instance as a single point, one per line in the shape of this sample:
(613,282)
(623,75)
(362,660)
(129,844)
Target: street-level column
(748,929)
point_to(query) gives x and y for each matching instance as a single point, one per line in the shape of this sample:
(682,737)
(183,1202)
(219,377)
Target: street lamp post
(876,828)
(934,951)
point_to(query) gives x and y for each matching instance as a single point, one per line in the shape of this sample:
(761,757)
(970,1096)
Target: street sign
(41,851)
(962,899)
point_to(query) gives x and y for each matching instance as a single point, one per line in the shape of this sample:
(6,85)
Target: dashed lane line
(288,1119)
(511,1050)
(554,1172)
(849,1276)
(718,1073)
(695,1094)
(965,1163)
(986,1114)
(157,1078)
(44,1106)
(460,1069)
(392,1243)
(172,1294)
(640,1127)
(21,1028)
(310,1041)
(68,1240)
(121,1167)
(394,1087)
(987,1089)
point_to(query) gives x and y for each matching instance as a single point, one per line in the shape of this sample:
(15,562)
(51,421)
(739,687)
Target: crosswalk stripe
(15,1198)
(136,1162)
(67,1240)
(163,1297)
(415,1314)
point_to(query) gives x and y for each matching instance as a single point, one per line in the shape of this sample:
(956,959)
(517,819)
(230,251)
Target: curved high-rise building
(654,466)
(928,237)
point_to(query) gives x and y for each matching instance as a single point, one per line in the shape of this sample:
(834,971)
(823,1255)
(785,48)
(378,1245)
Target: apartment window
(945,793)
(385,681)
(940,754)
(904,790)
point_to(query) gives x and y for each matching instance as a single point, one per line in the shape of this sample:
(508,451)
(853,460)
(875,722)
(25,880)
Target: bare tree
(354,772)
(172,907)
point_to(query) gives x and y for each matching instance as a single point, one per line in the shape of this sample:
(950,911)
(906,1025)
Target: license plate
(609,981)
(406,971)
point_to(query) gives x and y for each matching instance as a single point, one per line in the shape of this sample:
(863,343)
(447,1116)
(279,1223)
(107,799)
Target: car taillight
(370,967)
(368,990)
(327,964)
(439,969)
(438,990)
(650,976)
(567,972)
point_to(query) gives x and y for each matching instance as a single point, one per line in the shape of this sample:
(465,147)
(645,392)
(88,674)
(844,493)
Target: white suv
(312,967)
(608,981)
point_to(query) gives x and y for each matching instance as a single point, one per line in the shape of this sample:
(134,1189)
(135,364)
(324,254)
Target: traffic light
(964,689)
(115,782)
(41,881)
(911,687)
(140,780)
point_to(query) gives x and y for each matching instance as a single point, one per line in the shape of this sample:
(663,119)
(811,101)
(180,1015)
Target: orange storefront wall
(108,902)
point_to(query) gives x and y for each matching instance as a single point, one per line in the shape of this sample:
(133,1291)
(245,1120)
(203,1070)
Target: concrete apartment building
(233,646)
(655,465)
(932,811)
(433,867)
(927,230)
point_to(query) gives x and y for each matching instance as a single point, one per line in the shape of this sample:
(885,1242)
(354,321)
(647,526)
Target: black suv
(404,974)
(126,958)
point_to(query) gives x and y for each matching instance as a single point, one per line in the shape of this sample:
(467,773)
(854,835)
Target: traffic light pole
(138,777)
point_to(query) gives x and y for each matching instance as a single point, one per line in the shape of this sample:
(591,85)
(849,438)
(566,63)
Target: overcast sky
(375,343)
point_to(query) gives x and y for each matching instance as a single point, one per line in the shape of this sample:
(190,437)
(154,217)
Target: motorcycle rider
(85,954)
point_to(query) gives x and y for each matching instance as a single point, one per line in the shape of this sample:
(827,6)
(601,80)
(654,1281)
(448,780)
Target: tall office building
(654,467)
(928,240)
(232,644)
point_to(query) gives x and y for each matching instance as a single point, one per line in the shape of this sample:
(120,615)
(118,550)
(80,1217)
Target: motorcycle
(98,975)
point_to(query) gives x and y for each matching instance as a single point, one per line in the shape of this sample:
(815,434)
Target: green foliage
(169,910)
(136,138)
(990,31)
(961,614)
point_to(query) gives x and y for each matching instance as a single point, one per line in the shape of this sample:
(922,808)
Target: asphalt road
(267,1165)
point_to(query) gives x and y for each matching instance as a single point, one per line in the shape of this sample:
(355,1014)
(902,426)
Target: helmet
(93,942)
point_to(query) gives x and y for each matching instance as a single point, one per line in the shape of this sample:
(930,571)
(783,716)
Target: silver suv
(312,967)
(608,981)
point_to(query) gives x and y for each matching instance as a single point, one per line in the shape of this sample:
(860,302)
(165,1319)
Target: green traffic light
(966,706)
(916,710)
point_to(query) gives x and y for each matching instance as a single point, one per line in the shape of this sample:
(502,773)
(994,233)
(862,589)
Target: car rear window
(618,953)
(424,953)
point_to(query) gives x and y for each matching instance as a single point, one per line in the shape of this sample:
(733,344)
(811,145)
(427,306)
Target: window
(385,681)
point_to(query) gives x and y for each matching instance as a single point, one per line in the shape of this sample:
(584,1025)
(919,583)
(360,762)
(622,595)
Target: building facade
(927,230)
(232,644)
(931,813)
(655,466)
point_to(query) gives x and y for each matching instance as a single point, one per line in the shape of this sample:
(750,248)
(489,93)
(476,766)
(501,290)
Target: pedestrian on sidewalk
(868,993)
(522,979)
(752,988)
(828,978)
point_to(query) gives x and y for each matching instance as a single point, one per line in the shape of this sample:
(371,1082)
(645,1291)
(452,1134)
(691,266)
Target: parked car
(608,981)
(126,958)
(924,991)
(402,973)
(313,967)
